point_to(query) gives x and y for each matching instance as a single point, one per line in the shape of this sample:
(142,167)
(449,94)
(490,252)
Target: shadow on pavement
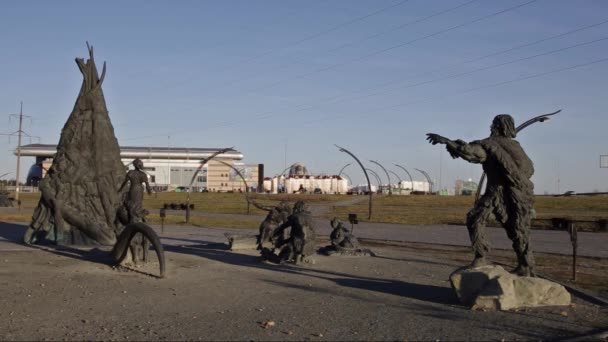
(12,232)
(220,252)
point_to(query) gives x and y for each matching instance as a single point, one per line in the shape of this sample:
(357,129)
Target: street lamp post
(342,169)
(390,191)
(377,178)
(203,162)
(408,174)
(366,177)
(428,179)
(399,178)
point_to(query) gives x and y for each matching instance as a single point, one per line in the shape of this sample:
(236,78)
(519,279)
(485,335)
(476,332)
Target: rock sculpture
(80,194)
(509,191)
(343,242)
(492,288)
(301,241)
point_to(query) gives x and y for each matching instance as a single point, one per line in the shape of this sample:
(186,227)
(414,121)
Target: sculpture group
(89,198)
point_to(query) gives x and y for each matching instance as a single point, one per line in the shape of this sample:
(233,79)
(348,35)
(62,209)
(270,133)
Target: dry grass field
(386,209)
(453,209)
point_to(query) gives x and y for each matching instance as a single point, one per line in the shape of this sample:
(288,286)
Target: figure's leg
(518,230)
(476,220)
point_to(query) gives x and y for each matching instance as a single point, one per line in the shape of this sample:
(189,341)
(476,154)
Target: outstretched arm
(459,149)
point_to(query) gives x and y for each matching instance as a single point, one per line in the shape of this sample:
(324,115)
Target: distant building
(465,188)
(299,179)
(169,168)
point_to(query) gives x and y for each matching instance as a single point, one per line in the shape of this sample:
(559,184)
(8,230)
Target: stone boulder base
(493,288)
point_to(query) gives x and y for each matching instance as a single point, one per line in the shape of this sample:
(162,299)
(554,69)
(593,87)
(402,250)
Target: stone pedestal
(493,288)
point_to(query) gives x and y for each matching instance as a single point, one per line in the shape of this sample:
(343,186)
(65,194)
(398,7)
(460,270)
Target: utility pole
(19,133)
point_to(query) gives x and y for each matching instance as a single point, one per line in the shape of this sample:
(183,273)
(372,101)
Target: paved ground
(215,294)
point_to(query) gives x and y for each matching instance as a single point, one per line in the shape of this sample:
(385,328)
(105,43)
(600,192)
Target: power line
(484,68)
(268,114)
(332,50)
(475,59)
(310,37)
(367,56)
(330,99)
(19,134)
(476,88)
(331,29)
(387,49)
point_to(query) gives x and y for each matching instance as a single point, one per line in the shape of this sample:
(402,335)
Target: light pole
(399,178)
(347,177)
(203,162)
(242,178)
(366,177)
(408,174)
(342,169)
(428,179)
(377,179)
(390,191)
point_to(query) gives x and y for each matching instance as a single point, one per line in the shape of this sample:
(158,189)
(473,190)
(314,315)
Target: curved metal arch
(408,174)
(244,181)
(390,191)
(347,177)
(369,184)
(377,178)
(396,175)
(342,169)
(203,162)
(428,179)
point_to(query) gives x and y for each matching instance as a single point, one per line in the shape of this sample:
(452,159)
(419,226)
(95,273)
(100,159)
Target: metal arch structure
(347,177)
(377,178)
(428,179)
(342,169)
(366,177)
(408,174)
(396,175)
(203,162)
(390,191)
(244,181)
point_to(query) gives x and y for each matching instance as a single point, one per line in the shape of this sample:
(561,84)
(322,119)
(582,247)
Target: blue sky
(283,81)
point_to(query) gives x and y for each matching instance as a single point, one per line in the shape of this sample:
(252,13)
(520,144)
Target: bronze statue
(133,201)
(343,242)
(301,241)
(79,202)
(341,237)
(276,216)
(509,194)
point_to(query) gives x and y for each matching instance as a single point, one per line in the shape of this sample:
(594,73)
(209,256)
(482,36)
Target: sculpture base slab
(492,288)
(346,252)
(241,241)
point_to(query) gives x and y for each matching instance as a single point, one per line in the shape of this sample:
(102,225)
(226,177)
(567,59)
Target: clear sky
(283,81)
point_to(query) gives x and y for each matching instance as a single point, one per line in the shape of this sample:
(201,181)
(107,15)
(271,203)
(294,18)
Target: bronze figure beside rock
(509,194)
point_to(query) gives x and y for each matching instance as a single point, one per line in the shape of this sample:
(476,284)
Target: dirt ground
(212,293)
